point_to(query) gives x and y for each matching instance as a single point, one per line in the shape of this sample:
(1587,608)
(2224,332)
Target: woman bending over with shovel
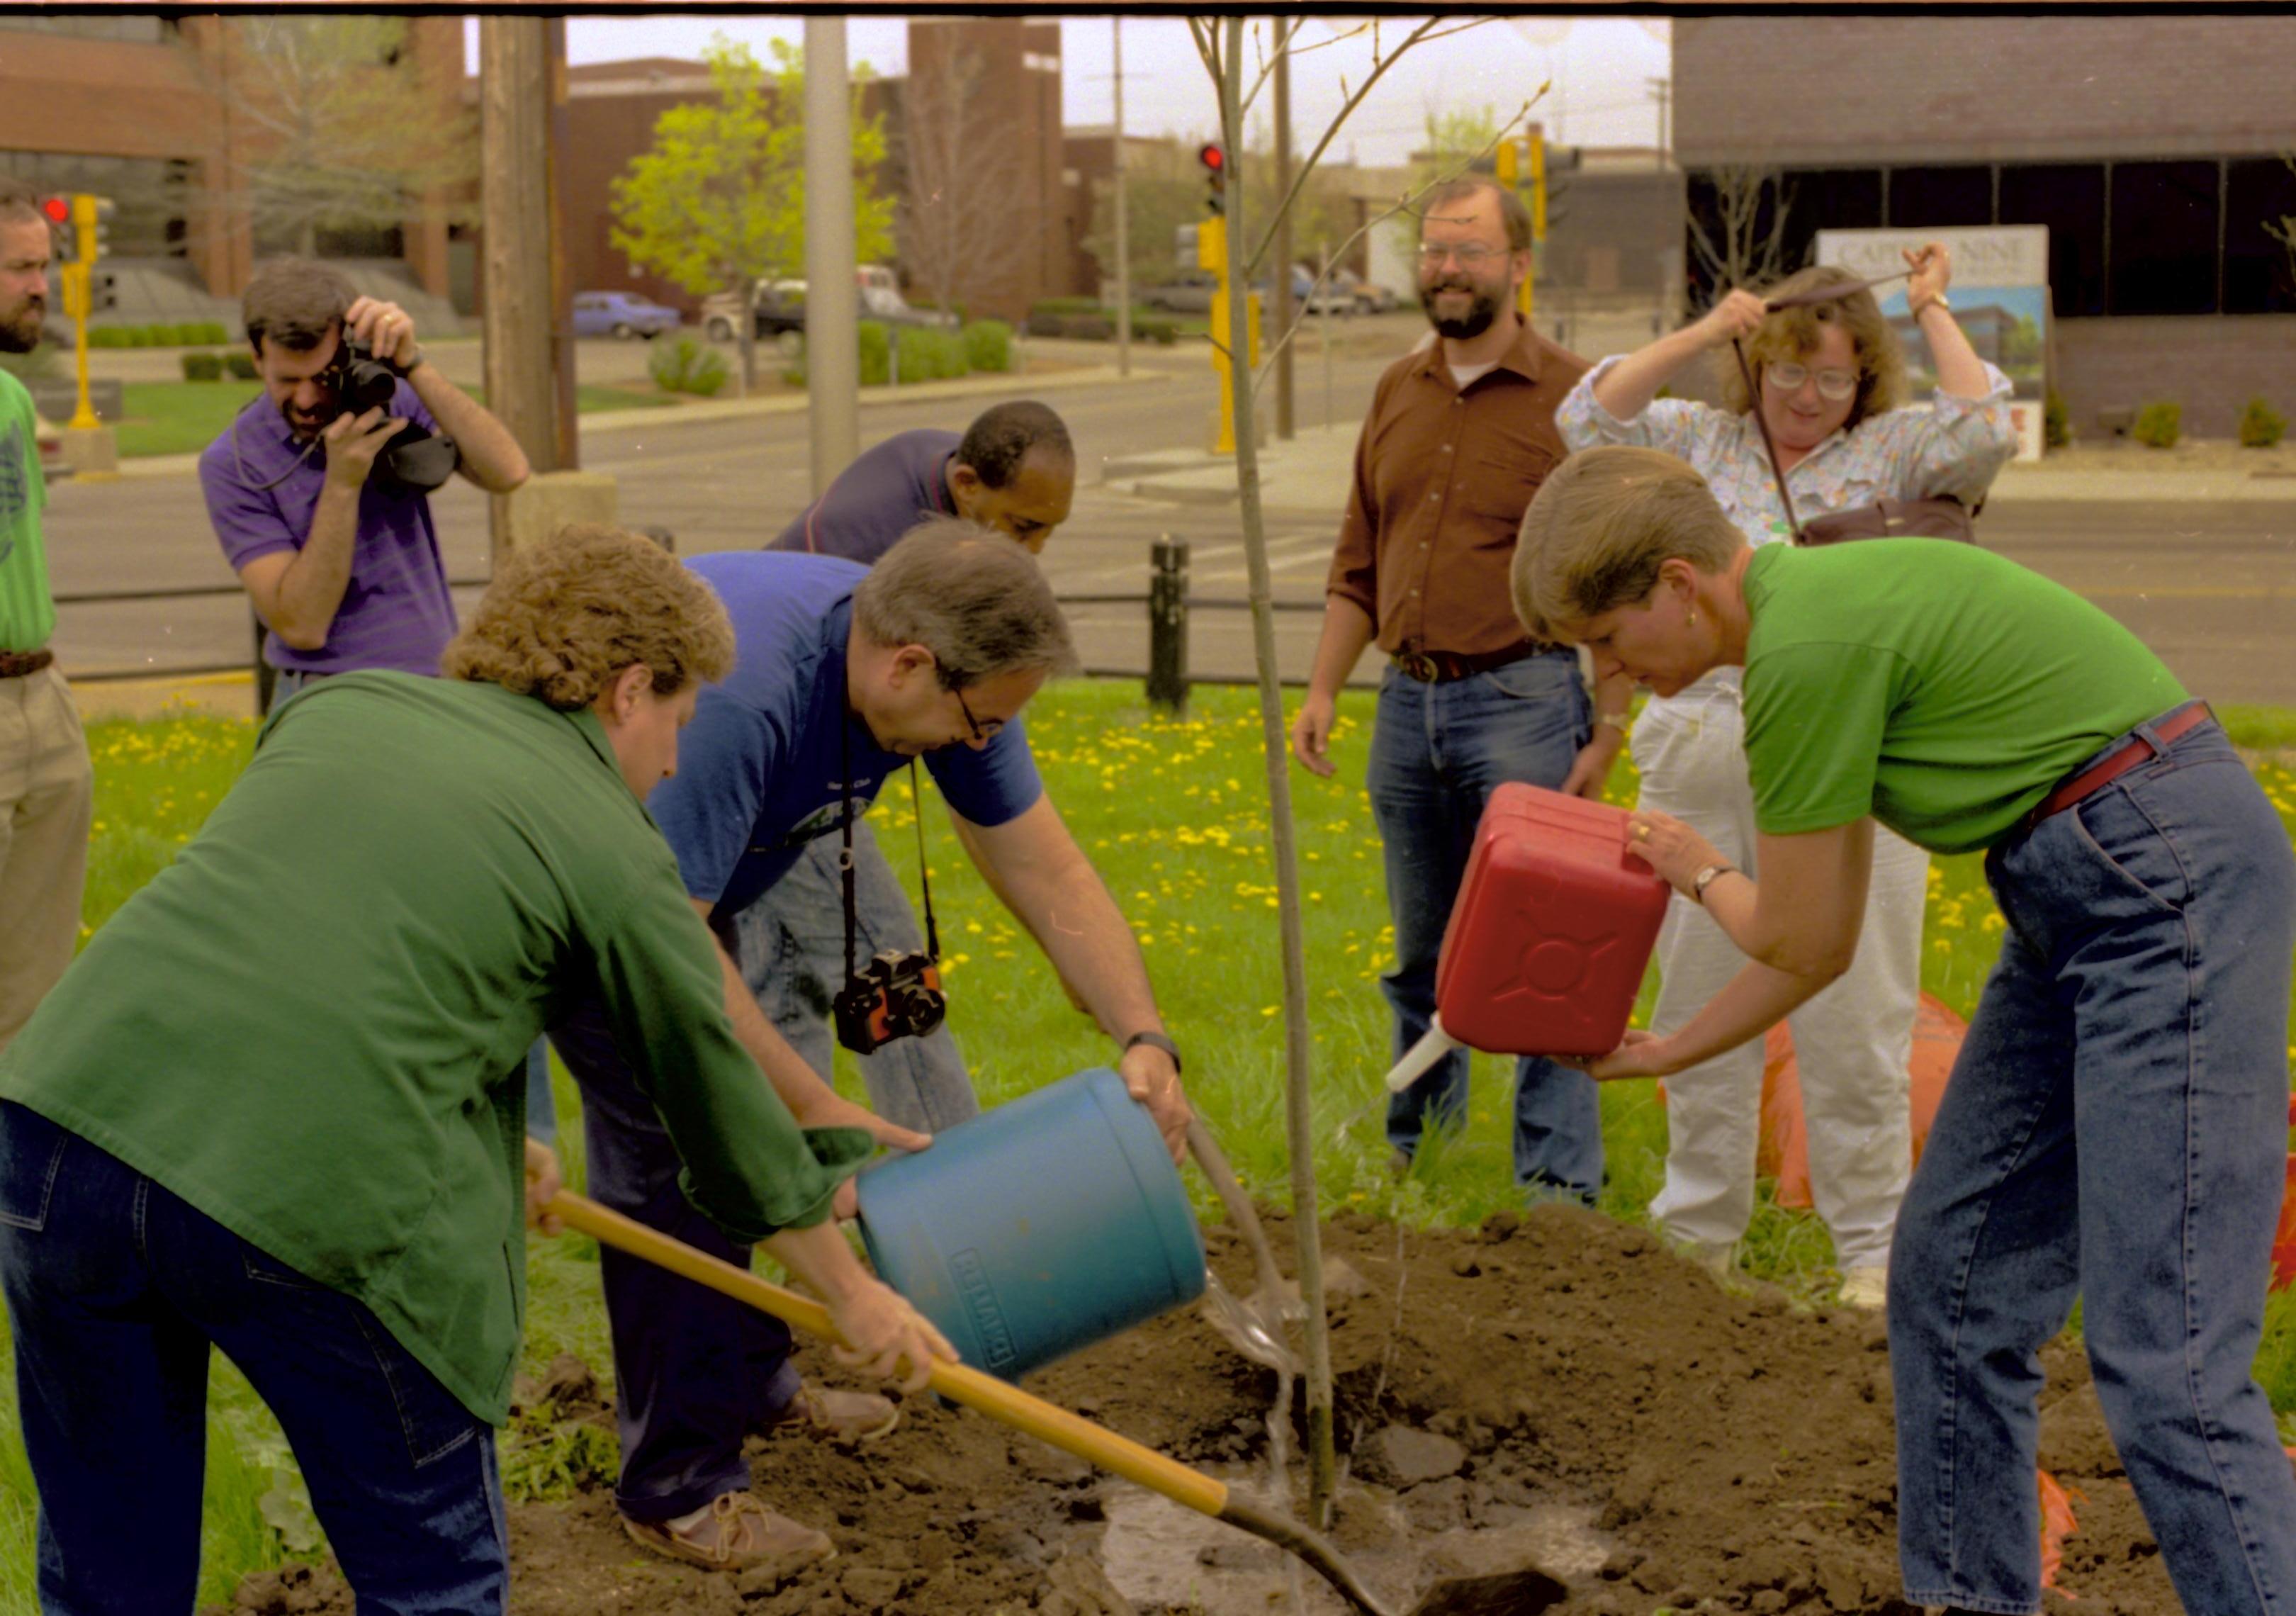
(1814,411)
(277,1106)
(2115,1126)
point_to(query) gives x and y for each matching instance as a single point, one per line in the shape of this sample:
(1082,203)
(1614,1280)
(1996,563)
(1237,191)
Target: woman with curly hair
(1830,377)
(272,1107)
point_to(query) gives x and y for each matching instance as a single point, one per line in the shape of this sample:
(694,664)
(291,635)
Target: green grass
(183,417)
(1174,814)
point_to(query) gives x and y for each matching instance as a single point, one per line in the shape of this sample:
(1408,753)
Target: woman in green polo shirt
(278,1105)
(2115,1126)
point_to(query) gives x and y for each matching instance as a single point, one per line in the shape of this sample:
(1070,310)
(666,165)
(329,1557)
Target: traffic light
(103,291)
(58,212)
(91,217)
(1215,162)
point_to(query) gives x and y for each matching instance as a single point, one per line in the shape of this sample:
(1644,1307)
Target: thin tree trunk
(1322,1464)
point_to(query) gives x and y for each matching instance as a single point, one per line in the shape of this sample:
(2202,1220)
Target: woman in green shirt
(278,1107)
(2115,1126)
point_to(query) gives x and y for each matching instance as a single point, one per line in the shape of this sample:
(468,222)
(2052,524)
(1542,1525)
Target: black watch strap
(1155,1040)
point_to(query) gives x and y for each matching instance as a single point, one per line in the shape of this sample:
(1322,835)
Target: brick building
(2149,144)
(155,113)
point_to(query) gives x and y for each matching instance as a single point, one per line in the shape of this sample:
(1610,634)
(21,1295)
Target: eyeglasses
(1471,255)
(980,732)
(1834,384)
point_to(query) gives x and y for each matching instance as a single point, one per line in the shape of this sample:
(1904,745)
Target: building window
(2259,271)
(117,30)
(2069,198)
(1924,198)
(2163,239)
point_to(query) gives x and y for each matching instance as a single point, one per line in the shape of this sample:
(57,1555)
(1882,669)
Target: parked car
(1190,294)
(1329,299)
(621,314)
(1370,299)
(779,311)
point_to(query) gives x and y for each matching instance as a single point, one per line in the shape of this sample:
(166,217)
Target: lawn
(1173,813)
(183,417)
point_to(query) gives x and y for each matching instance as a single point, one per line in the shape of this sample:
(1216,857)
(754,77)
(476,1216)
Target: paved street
(2208,585)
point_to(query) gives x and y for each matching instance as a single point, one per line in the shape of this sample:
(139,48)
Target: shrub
(686,366)
(1042,323)
(2056,421)
(107,336)
(1091,328)
(988,345)
(1160,329)
(876,353)
(241,363)
(2261,425)
(1065,305)
(2158,425)
(203,367)
(213,330)
(930,354)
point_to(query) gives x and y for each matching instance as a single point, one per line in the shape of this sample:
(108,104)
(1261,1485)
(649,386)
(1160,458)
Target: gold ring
(1641,831)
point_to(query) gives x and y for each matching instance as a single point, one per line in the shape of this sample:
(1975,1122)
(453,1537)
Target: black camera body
(414,459)
(895,996)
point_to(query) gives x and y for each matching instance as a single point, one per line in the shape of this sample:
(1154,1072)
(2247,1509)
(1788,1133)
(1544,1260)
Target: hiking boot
(732,1533)
(844,1417)
(1867,1288)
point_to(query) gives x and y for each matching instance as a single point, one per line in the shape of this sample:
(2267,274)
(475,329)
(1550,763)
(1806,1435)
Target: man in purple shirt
(329,533)
(1013,469)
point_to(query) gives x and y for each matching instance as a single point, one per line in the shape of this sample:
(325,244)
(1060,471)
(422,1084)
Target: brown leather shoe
(835,1416)
(733,1533)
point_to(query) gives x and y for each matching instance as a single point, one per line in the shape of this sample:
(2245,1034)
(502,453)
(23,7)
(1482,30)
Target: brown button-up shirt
(1441,480)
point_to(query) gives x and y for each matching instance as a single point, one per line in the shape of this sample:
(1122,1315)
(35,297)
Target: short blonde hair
(1602,525)
(1792,334)
(565,615)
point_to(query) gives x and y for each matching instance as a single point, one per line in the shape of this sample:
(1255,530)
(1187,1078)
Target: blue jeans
(2116,1126)
(115,1290)
(1437,753)
(792,949)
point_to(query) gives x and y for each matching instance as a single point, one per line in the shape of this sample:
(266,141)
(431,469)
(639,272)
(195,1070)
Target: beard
(1481,310)
(19,327)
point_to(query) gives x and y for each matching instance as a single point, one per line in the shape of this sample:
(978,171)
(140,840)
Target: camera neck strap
(1754,394)
(845,856)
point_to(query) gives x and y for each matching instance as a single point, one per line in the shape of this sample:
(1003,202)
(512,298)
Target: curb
(735,409)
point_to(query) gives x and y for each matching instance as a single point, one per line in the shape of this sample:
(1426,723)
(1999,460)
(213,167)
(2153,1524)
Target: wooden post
(514,200)
(1123,224)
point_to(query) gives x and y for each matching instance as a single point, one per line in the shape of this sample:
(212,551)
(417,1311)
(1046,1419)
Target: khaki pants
(47,801)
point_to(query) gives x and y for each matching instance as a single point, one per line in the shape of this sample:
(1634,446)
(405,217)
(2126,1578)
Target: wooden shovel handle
(1007,1404)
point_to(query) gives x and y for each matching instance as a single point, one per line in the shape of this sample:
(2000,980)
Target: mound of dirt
(1734,1453)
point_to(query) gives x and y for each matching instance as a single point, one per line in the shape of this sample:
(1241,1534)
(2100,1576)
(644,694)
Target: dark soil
(1739,1452)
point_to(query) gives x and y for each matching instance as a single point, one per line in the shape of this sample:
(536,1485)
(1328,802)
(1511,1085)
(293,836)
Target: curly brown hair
(563,615)
(1793,334)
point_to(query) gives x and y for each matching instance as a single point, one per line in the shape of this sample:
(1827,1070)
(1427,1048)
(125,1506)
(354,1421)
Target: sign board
(2000,295)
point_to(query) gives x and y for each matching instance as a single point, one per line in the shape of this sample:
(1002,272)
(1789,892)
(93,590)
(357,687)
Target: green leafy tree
(719,200)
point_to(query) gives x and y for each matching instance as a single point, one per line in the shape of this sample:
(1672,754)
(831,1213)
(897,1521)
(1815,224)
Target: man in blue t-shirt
(842,675)
(1012,470)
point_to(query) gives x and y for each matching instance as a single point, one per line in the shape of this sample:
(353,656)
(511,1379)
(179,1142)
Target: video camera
(416,459)
(896,995)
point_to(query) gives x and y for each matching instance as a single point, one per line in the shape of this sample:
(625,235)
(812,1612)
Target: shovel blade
(1498,1594)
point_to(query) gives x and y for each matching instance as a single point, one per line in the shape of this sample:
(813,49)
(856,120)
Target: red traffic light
(1212,158)
(58,208)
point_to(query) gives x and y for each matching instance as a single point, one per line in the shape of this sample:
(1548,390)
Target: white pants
(47,801)
(1852,1041)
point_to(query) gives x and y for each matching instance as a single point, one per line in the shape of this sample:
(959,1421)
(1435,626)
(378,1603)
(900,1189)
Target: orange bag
(2057,1524)
(2283,1248)
(1783,1153)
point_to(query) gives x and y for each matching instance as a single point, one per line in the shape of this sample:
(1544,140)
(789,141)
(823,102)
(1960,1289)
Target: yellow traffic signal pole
(79,279)
(1212,254)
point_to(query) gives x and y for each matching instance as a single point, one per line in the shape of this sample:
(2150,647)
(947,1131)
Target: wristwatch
(1939,301)
(1706,877)
(1616,720)
(1155,1040)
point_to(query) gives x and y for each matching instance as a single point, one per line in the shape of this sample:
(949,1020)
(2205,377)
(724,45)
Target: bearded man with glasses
(1460,436)
(1831,379)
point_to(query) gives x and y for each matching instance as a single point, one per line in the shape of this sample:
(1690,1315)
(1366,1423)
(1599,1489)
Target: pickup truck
(779,310)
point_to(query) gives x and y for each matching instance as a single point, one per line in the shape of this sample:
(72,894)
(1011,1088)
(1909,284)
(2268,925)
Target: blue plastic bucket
(1039,1228)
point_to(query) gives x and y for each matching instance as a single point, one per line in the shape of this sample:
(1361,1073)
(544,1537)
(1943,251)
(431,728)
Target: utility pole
(1123,222)
(514,199)
(833,299)
(568,455)
(1281,251)
(1660,90)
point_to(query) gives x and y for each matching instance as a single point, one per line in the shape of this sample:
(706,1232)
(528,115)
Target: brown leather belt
(16,664)
(1442,667)
(2118,762)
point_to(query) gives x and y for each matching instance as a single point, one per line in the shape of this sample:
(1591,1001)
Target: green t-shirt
(27,613)
(1941,689)
(312,1026)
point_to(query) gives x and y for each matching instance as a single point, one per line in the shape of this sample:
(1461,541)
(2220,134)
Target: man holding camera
(320,496)
(842,675)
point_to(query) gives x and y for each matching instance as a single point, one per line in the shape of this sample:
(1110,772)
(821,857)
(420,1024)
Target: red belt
(2107,769)
(18,664)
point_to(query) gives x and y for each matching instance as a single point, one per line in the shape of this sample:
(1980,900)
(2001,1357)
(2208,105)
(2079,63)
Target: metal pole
(1324,321)
(832,297)
(1123,222)
(1282,251)
(1167,625)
